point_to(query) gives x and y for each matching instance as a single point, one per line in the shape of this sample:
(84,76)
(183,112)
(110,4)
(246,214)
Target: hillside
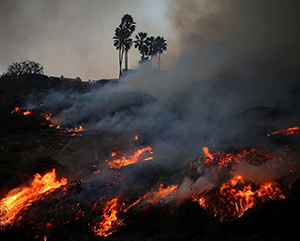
(172,189)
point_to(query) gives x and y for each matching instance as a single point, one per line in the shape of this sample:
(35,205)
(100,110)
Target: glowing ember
(27,112)
(231,199)
(219,161)
(162,193)
(76,130)
(16,110)
(207,156)
(125,161)
(289,131)
(155,196)
(234,198)
(48,116)
(109,221)
(20,198)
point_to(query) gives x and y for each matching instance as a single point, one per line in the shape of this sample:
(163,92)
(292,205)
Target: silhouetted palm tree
(141,44)
(151,43)
(127,23)
(122,40)
(160,47)
(119,43)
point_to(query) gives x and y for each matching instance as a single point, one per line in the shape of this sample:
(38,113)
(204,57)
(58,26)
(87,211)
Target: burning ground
(128,162)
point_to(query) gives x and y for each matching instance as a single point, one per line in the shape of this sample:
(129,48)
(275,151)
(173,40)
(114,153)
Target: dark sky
(74,38)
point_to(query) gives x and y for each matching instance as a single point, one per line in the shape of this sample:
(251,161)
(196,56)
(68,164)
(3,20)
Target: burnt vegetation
(28,146)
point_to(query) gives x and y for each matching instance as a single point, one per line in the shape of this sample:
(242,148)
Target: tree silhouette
(25,67)
(141,44)
(128,23)
(160,47)
(151,44)
(122,40)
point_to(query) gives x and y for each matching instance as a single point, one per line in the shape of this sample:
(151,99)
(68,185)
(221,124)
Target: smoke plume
(237,58)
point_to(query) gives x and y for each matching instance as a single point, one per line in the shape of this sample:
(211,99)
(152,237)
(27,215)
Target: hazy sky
(74,37)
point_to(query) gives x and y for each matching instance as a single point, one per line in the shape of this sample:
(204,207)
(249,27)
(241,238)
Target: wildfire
(76,130)
(234,197)
(162,193)
(288,131)
(207,156)
(48,116)
(20,198)
(18,110)
(125,161)
(109,221)
(27,112)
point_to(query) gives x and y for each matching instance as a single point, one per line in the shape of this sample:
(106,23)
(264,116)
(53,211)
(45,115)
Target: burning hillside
(208,150)
(225,183)
(122,163)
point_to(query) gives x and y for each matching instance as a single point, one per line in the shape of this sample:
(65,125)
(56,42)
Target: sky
(73,38)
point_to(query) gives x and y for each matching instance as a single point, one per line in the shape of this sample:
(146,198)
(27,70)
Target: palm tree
(160,47)
(151,43)
(141,44)
(119,43)
(122,40)
(127,23)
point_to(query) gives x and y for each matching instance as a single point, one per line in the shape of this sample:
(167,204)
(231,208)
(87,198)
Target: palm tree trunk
(121,51)
(159,61)
(126,60)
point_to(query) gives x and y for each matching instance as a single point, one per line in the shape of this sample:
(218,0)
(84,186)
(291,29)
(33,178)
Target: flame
(162,193)
(229,200)
(207,156)
(234,198)
(155,196)
(27,112)
(125,161)
(109,221)
(288,131)
(136,137)
(16,110)
(48,116)
(20,198)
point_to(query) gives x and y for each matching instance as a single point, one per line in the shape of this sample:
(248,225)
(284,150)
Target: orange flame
(48,116)
(136,137)
(235,198)
(16,110)
(20,198)
(288,131)
(125,161)
(207,156)
(110,222)
(27,112)
(162,193)
(155,196)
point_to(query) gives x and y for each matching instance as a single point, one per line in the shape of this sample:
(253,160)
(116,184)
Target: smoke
(235,57)
(232,35)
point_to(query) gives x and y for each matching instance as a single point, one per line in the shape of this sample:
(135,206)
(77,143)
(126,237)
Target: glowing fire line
(20,198)
(125,161)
